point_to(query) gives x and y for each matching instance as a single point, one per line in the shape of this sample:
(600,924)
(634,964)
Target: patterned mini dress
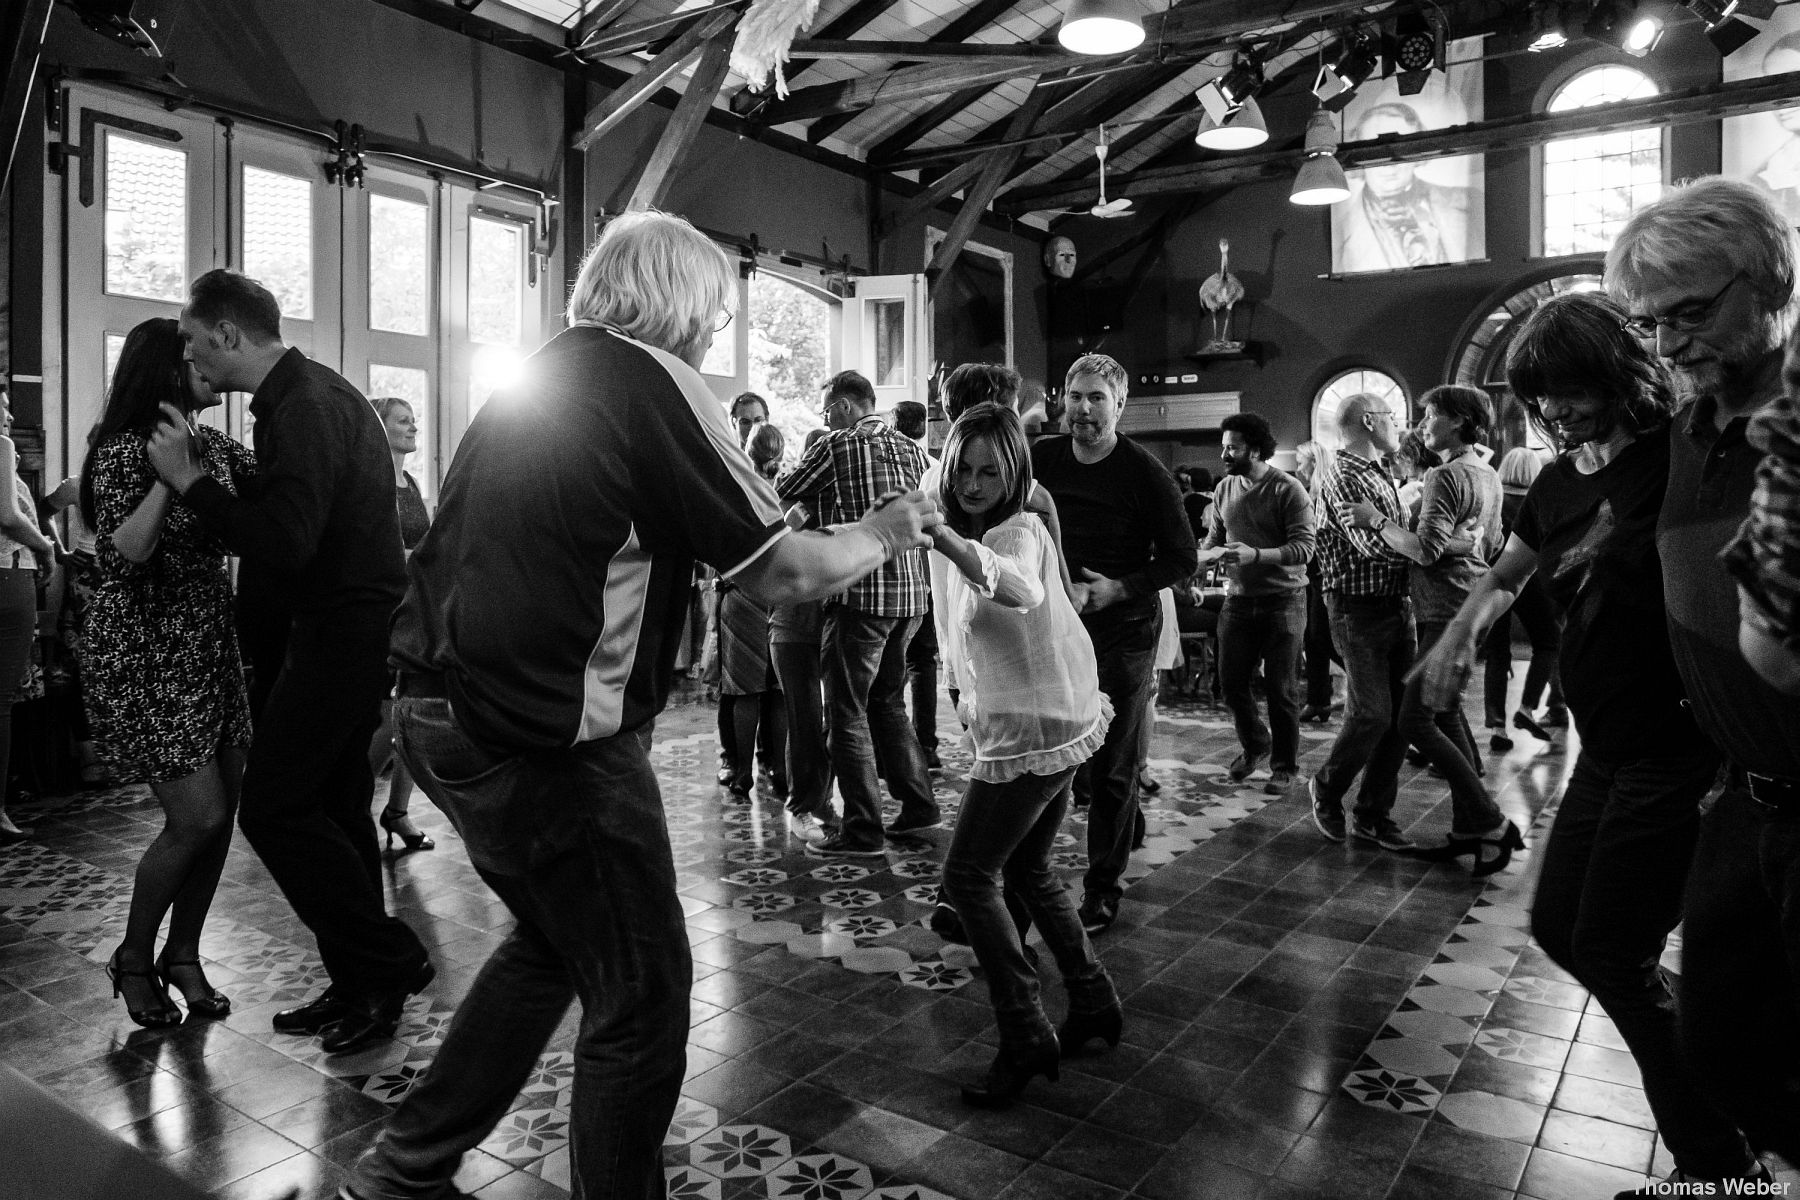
(163,681)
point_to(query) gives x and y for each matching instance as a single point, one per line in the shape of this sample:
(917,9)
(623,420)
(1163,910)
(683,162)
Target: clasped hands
(172,450)
(1361,514)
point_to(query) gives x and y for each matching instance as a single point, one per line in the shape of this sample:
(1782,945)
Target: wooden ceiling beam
(994,171)
(1706,103)
(651,188)
(639,35)
(847,23)
(604,13)
(618,105)
(860,48)
(933,195)
(920,125)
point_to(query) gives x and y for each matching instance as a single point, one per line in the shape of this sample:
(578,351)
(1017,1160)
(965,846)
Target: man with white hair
(535,648)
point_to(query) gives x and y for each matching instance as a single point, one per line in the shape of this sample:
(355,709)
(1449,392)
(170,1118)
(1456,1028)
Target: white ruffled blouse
(1015,650)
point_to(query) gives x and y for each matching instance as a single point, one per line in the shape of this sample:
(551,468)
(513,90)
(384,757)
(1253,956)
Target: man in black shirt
(319,528)
(1126,538)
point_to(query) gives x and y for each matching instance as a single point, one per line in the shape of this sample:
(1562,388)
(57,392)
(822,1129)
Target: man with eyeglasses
(1371,623)
(866,630)
(1708,274)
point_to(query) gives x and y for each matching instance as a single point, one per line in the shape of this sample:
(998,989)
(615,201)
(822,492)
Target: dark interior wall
(1404,323)
(406,82)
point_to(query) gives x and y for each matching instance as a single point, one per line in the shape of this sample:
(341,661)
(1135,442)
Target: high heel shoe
(163,1016)
(398,824)
(1452,849)
(1009,1074)
(1080,1028)
(202,999)
(1509,840)
(1524,720)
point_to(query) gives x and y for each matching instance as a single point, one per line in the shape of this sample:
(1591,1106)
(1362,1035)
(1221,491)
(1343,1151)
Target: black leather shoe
(371,1019)
(325,1009)
(1009,1074)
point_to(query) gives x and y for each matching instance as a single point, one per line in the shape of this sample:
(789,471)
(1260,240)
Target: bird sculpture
(1219,294)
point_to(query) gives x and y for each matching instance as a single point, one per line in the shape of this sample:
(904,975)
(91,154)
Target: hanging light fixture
(1223,96)
(1101,27)
(1321,180)
(1549,31)
(1620,23)
(1242,130)
(1338,80)
(1726,31)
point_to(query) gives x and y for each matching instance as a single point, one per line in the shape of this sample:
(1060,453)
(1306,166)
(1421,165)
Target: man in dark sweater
(319,529)
(1261,530)
(1126,538)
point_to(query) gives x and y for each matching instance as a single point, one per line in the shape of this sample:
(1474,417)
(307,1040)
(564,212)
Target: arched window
(1353,382)
(1593,184)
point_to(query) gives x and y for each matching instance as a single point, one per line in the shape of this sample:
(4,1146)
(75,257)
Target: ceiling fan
(1104,209)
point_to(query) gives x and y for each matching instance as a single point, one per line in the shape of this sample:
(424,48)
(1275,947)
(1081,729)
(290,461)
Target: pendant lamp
(1101,27)
(1242,130)
(1321,180)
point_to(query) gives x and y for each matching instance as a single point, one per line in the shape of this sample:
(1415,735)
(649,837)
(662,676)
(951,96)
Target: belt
(1774,793)
(422,685)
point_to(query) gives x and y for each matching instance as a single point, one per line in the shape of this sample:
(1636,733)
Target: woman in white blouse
(1030,697)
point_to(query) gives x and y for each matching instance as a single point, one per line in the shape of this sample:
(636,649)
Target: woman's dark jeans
(1320,653)
(1443,738)
(1007,830)
(808,758)
(575,843)
(1536,611)
(1609,892)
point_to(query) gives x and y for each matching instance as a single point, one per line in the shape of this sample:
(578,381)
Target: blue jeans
(1609,890)
(1740,970)
(1265,629)
(574,842)
(865,713)
(1125,652)
(1007,830)
(1443,738)
(808,760)
(1375,636)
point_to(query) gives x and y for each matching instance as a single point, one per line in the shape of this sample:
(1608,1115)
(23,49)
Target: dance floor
(1302,1018)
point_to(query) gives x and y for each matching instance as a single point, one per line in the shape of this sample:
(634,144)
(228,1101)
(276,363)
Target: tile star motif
(862,926)
(756,877)
(527,1134)
(763,902)
(916,868)
(685,1183)
(819,1177)
(1392,1090)
(734,1151)
(1516,1045)
(692,1119)
(390,1086)
(935,976)
(553,1072)
(840,873)
(922,893)
(850,898)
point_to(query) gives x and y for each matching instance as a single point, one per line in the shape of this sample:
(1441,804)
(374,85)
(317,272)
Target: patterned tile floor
(1303,1019)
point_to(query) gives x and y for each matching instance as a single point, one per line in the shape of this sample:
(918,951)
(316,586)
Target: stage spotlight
(1338,80)
(1223,96)
(1724,30)
(1620,23)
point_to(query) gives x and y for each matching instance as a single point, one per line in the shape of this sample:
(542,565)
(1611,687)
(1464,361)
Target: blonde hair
(657,279)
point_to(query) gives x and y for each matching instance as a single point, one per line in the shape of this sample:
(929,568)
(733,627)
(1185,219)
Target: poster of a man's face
(1764,148)
(1413,214)
(1059,258)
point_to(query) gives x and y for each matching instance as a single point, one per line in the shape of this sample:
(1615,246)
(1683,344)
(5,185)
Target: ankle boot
(1081,1028)
(1010,1072)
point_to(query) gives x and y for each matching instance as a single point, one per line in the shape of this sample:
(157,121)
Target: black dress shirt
(319,526)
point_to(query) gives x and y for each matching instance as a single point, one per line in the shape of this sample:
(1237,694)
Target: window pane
(1351,383)
(399,266)
(115,345)
(278,238)
(496,283)
(1600,179)
(414,387)
(146,219)
(721,356)
(887,339)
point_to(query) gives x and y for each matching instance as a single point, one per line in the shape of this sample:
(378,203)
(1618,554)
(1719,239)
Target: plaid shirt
(1357,562)
(842,477)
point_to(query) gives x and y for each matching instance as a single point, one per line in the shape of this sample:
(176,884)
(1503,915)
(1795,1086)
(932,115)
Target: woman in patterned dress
(164,684)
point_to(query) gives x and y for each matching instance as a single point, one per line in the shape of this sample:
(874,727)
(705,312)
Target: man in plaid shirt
(1371,622)
(866,629)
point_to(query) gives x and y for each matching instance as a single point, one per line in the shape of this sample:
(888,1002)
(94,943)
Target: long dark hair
(150,372)
(1012,455)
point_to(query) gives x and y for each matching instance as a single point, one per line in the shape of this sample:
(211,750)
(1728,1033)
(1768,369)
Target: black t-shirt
(1595,538)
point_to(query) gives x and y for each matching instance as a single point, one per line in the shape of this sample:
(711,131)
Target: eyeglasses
(723,320)
(1686,319)
(1379,412)
(825,409)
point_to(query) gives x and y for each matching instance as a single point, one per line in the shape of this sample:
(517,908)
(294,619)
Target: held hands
(1236,554)
(1102,592)
(172,451)
(1444,670)
(903,521)
(1360,514)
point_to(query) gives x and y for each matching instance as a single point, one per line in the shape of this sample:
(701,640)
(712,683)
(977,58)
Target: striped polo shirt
(551,591)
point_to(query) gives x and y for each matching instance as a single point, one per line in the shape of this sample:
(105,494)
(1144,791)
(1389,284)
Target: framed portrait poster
(1414,214)
(1764,148)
